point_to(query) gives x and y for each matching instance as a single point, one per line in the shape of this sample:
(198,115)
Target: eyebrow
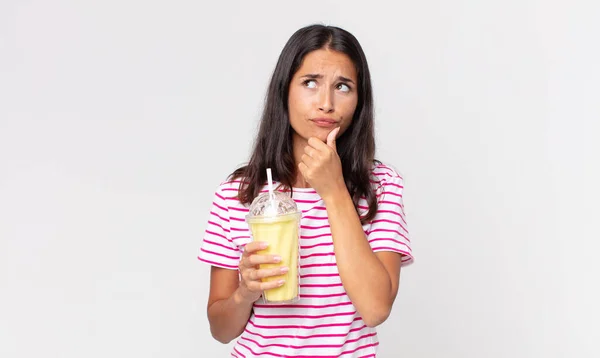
(319,76)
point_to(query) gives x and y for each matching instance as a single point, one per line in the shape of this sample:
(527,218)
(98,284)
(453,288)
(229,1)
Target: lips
(324,122)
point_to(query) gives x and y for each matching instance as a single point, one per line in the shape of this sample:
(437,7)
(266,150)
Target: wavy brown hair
(273,144)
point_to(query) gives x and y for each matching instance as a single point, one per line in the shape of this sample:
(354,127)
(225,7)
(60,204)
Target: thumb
(331,138)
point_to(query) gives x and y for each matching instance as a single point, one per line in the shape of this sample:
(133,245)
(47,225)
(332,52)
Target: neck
(299,144)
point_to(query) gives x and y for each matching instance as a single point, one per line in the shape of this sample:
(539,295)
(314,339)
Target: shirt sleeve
(389,230)
(217,247)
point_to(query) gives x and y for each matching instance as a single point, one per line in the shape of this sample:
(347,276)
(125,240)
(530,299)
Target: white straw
(270,181)
(270,210)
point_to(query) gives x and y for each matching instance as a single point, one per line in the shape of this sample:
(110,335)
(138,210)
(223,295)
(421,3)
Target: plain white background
(118,119)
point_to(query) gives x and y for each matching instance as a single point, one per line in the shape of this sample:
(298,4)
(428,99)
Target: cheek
(300,104)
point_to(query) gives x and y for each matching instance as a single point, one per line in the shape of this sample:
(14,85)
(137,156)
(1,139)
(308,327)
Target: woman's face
(322,94)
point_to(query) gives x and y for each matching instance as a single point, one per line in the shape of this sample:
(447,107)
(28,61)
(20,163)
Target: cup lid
(277,205)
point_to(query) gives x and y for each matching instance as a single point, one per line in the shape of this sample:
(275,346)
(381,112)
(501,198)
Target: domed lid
(276,204)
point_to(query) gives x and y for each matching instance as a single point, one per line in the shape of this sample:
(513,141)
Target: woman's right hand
(251,287)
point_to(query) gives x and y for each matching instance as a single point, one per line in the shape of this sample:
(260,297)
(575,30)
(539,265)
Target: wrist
(337,197)
(240,299)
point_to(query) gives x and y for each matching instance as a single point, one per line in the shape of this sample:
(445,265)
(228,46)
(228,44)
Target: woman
(316,134)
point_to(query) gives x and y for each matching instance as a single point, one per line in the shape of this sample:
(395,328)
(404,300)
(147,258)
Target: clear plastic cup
(274,218)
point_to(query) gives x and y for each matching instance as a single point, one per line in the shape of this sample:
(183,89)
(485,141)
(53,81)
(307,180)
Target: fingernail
(263,245)
(284,269)
(281,282)
(277,258)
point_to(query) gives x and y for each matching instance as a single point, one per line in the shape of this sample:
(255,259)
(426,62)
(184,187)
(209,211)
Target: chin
(305,135)
(322,135)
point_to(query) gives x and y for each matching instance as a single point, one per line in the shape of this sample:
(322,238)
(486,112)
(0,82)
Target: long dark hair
(273,145)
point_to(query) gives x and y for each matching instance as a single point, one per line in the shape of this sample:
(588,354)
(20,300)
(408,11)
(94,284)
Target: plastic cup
(275,219)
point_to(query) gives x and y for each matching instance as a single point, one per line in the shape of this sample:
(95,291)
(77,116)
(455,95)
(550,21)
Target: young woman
(317,136)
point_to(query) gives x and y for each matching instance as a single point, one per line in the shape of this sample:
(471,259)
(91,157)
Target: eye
(343,87)
(310,83)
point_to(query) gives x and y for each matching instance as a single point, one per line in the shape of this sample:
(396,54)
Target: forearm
(228,317)
(363,275)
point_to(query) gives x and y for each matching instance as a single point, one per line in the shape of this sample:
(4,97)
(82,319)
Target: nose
(326,101)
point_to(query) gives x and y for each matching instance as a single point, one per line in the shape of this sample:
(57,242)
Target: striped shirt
(323,322)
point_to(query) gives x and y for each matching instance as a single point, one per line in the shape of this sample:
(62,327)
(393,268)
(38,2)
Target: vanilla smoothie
(274,218)
(281,233)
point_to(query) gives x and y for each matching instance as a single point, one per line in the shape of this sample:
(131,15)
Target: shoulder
(230,185)
(233,182)
(384,173)
(227,191)
(386,181)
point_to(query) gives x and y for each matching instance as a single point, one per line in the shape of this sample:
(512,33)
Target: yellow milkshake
(281,233)
(274,218)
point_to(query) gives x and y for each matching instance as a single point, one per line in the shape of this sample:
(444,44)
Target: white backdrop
(113,121)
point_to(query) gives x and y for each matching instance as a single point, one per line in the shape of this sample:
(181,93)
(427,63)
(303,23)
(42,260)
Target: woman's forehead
(327,62)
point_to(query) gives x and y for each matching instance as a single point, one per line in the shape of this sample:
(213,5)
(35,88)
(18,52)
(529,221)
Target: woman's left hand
(321,166)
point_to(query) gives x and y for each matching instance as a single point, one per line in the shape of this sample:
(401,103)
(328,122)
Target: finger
(258,286)
(242,265)
(264,273)
(252,275)
(271,284)
(254,246)
(246,265)
(247,275)
(317,144)
(309,161)
(263,259)
(254,286)
(331,138)
(310,151)
(303,169)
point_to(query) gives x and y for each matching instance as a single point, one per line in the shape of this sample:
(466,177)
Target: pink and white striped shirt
(324,322)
